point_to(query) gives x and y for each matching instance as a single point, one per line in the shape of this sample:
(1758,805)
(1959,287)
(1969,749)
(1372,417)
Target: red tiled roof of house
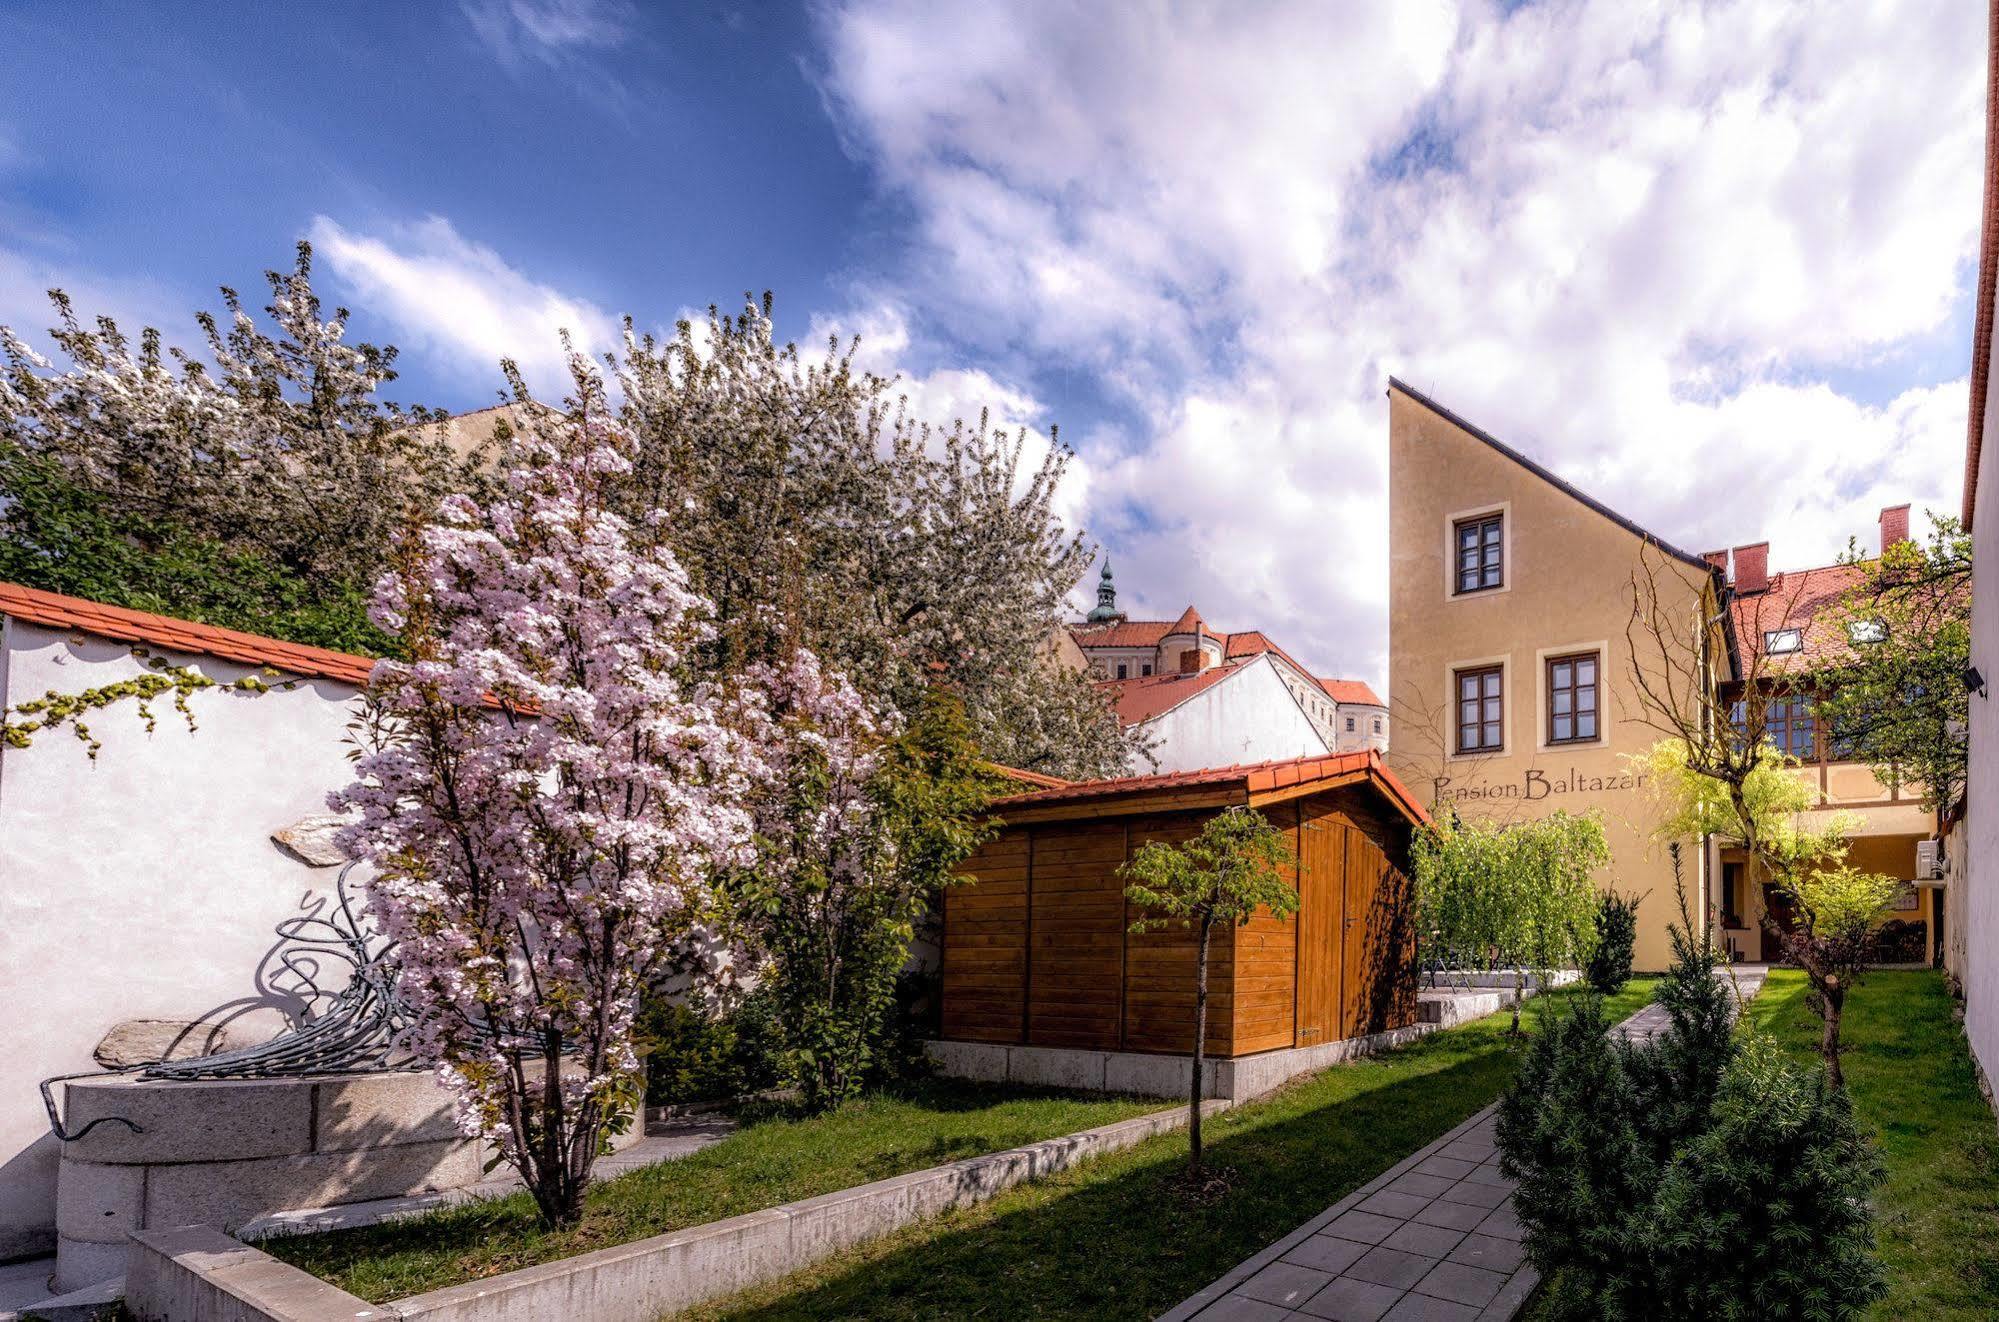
(1351,690)
(1254,642)
(1025,776)
(55,611)
(1803,599)
(1125,633)
(1190,621)
(1255,778)
(1148,696)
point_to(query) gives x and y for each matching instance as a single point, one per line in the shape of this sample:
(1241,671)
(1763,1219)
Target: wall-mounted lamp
(1973,681)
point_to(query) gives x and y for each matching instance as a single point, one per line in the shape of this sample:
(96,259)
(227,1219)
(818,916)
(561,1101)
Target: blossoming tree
(544,789)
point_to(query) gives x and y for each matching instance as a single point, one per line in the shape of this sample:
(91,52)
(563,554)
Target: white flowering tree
(546,790)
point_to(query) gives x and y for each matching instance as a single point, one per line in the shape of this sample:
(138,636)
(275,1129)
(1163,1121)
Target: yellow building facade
(1515,669)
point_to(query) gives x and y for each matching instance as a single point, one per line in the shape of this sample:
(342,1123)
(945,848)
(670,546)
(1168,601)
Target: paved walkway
(1432,1239)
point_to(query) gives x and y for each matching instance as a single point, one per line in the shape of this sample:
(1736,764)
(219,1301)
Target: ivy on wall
(53,710)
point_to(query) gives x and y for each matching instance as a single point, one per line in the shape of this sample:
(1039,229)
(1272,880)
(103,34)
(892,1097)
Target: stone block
(310,839)
(1154,1076)
(210,1120)
(80,1264)
(356,1111)
(99,1204)
(1056,1067)
(982,1061)
(231,1193)
(144,1041)
(199,1272)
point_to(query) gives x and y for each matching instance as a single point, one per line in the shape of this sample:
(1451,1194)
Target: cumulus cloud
(1636,239)
(460,301)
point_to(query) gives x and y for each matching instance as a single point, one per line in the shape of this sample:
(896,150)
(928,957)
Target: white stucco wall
(1249,717)
(1979,834)
(144,885)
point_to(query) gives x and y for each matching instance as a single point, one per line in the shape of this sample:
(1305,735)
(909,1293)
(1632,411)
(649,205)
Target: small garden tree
(1609,966)
(1519,892)
(1223,875)
(859,823)
(543,788)
(1833,940)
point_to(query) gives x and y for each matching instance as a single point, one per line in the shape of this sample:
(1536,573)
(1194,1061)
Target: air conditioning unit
(1929,859)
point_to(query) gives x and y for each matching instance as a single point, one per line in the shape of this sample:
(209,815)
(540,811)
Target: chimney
(1719,559)
(1894,526)
(1752,567)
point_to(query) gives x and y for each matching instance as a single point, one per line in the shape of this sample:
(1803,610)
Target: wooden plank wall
(1266,979)
(1038,949)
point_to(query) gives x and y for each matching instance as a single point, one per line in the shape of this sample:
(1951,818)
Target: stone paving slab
(1431,1239)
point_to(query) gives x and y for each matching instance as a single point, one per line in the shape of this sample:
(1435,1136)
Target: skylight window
(1867,631)
(1778,641)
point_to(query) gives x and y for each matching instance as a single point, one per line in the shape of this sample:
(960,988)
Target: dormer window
(1776,642)
(1867,631)
(1478,554)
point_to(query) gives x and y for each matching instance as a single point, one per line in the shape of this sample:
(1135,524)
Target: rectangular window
(1377,725)
(1731,895)
(1145,670)
(1478,553)
(1121,670)
(1572,705)
(1788,722)
(1349,725)
(1480,710)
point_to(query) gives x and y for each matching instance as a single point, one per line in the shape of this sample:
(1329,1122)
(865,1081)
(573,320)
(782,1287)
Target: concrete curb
(196,1274)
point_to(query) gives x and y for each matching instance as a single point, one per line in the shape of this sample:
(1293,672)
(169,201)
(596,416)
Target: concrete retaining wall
(1235,1078)
(224,1152)
(196,1275)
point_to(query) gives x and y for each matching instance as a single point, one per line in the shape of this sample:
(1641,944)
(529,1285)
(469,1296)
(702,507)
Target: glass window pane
(1491,736)
(1492,709)
(1586,671)
(1562,727)
(1559,673)
(1586,725)
(1561,700)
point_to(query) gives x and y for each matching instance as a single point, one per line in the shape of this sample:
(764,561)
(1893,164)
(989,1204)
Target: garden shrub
(1609,966)
(1570,1130)
(1697,1176)
(1767,1213)
(692,1056)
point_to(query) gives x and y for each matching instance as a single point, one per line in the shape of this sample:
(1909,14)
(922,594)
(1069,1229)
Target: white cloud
(460,301)
(1633,237)
(551,32)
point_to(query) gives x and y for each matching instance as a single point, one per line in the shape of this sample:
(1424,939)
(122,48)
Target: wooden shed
(1038,949)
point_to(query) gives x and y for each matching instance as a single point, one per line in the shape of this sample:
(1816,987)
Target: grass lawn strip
(775,1158)
(1112,1239)
(1912,1083)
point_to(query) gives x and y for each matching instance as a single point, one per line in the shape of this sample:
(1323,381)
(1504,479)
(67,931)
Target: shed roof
(1250,784)
(55,611)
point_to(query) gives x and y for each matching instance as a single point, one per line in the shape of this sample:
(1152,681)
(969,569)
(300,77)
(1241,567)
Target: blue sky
(1711,263)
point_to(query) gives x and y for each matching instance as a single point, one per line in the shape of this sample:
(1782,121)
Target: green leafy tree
(1766,812)
(1896,700)
(266,463)
(1520,893)
(1233,868)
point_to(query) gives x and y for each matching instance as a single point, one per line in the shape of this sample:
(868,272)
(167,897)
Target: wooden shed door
(1379,941)
(1321,861)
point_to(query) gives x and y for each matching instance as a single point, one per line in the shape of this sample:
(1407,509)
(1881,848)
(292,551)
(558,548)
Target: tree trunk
(1519,995)
(1200,1042)
(1834,996)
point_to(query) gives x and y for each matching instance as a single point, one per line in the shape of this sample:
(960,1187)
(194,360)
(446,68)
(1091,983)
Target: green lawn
(1912,1083)
(774,1159)
(1112,1239)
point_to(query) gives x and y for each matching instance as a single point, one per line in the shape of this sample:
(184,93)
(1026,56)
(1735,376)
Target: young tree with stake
(1223,875)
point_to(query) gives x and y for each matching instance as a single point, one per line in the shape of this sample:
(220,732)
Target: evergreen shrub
(1609,966)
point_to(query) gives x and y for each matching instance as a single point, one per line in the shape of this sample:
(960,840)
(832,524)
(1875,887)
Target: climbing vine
(22,721)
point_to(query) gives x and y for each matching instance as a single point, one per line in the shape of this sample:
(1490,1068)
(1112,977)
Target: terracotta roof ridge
(56,610)
(1190,620)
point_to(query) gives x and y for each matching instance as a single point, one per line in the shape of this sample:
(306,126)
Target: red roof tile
(1025,776)
(1255,778)
(1189,622)
(1148,696)
(1351,690)
(56,611)
(1806,599)
(1125,633)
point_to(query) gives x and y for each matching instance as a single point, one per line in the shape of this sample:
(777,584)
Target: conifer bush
(1700,1175)
(1609,966)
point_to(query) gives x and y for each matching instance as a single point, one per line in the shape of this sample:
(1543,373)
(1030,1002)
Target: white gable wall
(1251,716)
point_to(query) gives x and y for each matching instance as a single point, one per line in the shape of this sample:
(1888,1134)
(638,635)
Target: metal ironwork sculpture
(355,1028)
